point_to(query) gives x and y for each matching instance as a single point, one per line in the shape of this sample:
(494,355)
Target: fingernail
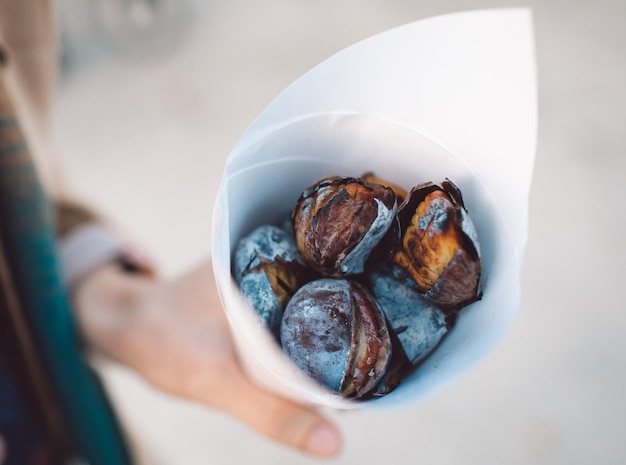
(323,441)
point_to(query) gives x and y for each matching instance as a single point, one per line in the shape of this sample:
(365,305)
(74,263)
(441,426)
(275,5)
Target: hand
(175,334)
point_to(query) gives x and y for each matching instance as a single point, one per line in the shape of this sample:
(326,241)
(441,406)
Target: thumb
(284,421)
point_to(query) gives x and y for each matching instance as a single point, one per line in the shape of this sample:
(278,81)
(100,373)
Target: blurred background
(154,95)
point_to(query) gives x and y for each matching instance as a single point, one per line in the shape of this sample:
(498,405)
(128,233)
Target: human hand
(175,334)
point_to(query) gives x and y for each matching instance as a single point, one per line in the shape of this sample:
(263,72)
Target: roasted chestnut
(338,221)
(418,323)
(439,252)
(392,279)
(334,331)
(269,270)
(415,324)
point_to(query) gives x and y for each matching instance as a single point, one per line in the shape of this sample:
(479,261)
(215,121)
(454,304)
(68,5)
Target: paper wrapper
(451,96)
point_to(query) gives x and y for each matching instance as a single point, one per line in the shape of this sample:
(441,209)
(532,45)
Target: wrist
(106,280)
(108,304)
(90,245)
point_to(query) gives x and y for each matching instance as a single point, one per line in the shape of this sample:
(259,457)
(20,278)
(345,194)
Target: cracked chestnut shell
(385,249)
(439,252)
(268,269)
(338,221)
(334,331)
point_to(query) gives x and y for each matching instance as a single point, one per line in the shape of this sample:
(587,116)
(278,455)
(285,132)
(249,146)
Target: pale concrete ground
(147,140)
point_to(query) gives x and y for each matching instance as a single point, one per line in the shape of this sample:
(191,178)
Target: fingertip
(324,440)
(294,425)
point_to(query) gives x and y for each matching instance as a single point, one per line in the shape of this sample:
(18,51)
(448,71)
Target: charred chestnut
(415,324)
(418,323)
(269,270)
(334,331)
(439,253)
(338,221)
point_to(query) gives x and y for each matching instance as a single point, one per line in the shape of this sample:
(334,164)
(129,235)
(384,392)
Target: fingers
(291,424)
(286,422)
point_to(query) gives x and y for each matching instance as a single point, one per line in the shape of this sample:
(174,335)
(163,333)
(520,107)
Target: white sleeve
(86,248)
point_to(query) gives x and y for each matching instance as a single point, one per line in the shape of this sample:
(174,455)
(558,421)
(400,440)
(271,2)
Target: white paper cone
(447,97)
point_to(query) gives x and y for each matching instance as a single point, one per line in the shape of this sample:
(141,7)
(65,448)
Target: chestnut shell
(334,331)
(268,269)
(338,221)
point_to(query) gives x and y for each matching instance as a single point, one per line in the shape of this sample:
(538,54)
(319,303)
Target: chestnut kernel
(439,252)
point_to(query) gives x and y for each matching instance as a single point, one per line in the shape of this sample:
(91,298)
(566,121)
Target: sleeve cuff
(86,248)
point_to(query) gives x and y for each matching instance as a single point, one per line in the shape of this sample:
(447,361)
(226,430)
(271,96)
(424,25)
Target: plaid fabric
(66,404)
(24,441)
